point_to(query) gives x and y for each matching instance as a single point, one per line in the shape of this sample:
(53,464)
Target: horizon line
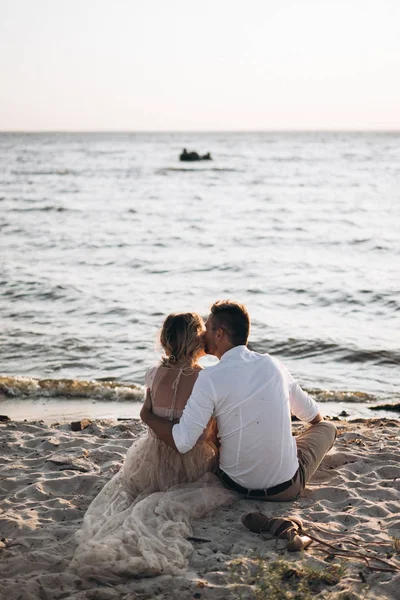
(195,131)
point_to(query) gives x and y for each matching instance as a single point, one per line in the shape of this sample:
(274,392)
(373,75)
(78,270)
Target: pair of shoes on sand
(290,529)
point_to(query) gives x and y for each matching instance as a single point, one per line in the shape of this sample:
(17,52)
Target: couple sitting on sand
(244,402)
(233,437)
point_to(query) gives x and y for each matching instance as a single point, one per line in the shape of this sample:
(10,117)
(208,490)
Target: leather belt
(276,489)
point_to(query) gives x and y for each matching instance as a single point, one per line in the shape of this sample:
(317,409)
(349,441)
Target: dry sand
(49,474)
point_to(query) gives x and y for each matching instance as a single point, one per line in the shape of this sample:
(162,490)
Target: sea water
(103,234)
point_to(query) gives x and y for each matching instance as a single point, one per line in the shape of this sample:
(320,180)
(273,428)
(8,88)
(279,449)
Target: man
(252,397)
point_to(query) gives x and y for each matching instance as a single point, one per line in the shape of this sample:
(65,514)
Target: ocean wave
(29,387)
(40,209)
(343,396)
(38,290)
(378,357)
(357,297)
(303,348)
(44,172)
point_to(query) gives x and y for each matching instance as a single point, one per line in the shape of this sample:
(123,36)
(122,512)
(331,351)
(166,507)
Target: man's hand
(146,408)
(161,427)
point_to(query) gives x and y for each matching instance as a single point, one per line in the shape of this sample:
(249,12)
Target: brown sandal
(292,529)
(279,527)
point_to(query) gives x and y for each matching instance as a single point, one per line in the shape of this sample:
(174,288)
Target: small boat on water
(186,156)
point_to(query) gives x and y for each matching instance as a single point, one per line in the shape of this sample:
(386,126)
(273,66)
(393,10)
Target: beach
(102,236)
(50,474)
(157,162)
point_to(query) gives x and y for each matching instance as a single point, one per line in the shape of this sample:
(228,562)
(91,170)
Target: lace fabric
(146,536)
(139,522)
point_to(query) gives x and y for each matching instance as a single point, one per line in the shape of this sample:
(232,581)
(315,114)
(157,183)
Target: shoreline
(62,410)
(50,474)
(54,410)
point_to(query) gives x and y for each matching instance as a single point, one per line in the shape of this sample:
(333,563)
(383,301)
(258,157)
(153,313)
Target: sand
(49,474)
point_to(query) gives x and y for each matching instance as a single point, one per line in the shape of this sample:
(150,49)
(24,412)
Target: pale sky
(179,65)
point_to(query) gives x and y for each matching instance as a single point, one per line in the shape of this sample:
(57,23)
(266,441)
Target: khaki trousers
(312,445)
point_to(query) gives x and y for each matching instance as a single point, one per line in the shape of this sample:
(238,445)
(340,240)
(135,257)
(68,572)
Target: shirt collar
(234,353)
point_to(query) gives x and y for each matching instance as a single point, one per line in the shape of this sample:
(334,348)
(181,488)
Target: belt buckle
(257,493)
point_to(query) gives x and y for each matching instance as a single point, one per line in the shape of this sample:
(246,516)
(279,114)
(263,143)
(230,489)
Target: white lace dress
(139,522)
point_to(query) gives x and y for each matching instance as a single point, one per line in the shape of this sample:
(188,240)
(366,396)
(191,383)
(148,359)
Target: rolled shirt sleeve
(196,415)
(301,404)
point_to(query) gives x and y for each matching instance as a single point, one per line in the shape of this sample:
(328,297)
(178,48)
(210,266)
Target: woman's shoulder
(193,371)
(150,374)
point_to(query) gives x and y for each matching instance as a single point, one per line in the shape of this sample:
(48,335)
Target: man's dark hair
(233,318)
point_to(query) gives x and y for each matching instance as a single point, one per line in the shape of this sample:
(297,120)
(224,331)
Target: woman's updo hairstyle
(181,338)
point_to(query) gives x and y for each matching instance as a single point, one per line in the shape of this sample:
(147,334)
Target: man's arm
(302,405)
(161,427)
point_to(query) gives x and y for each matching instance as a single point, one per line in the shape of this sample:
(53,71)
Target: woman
(150,464)
(139,522)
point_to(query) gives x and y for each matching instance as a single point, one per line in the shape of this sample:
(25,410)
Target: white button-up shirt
(252,396)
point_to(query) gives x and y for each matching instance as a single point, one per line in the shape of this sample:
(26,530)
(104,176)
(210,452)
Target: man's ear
(220,332)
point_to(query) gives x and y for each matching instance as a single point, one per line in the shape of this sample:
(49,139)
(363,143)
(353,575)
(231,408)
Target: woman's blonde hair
(181,338)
